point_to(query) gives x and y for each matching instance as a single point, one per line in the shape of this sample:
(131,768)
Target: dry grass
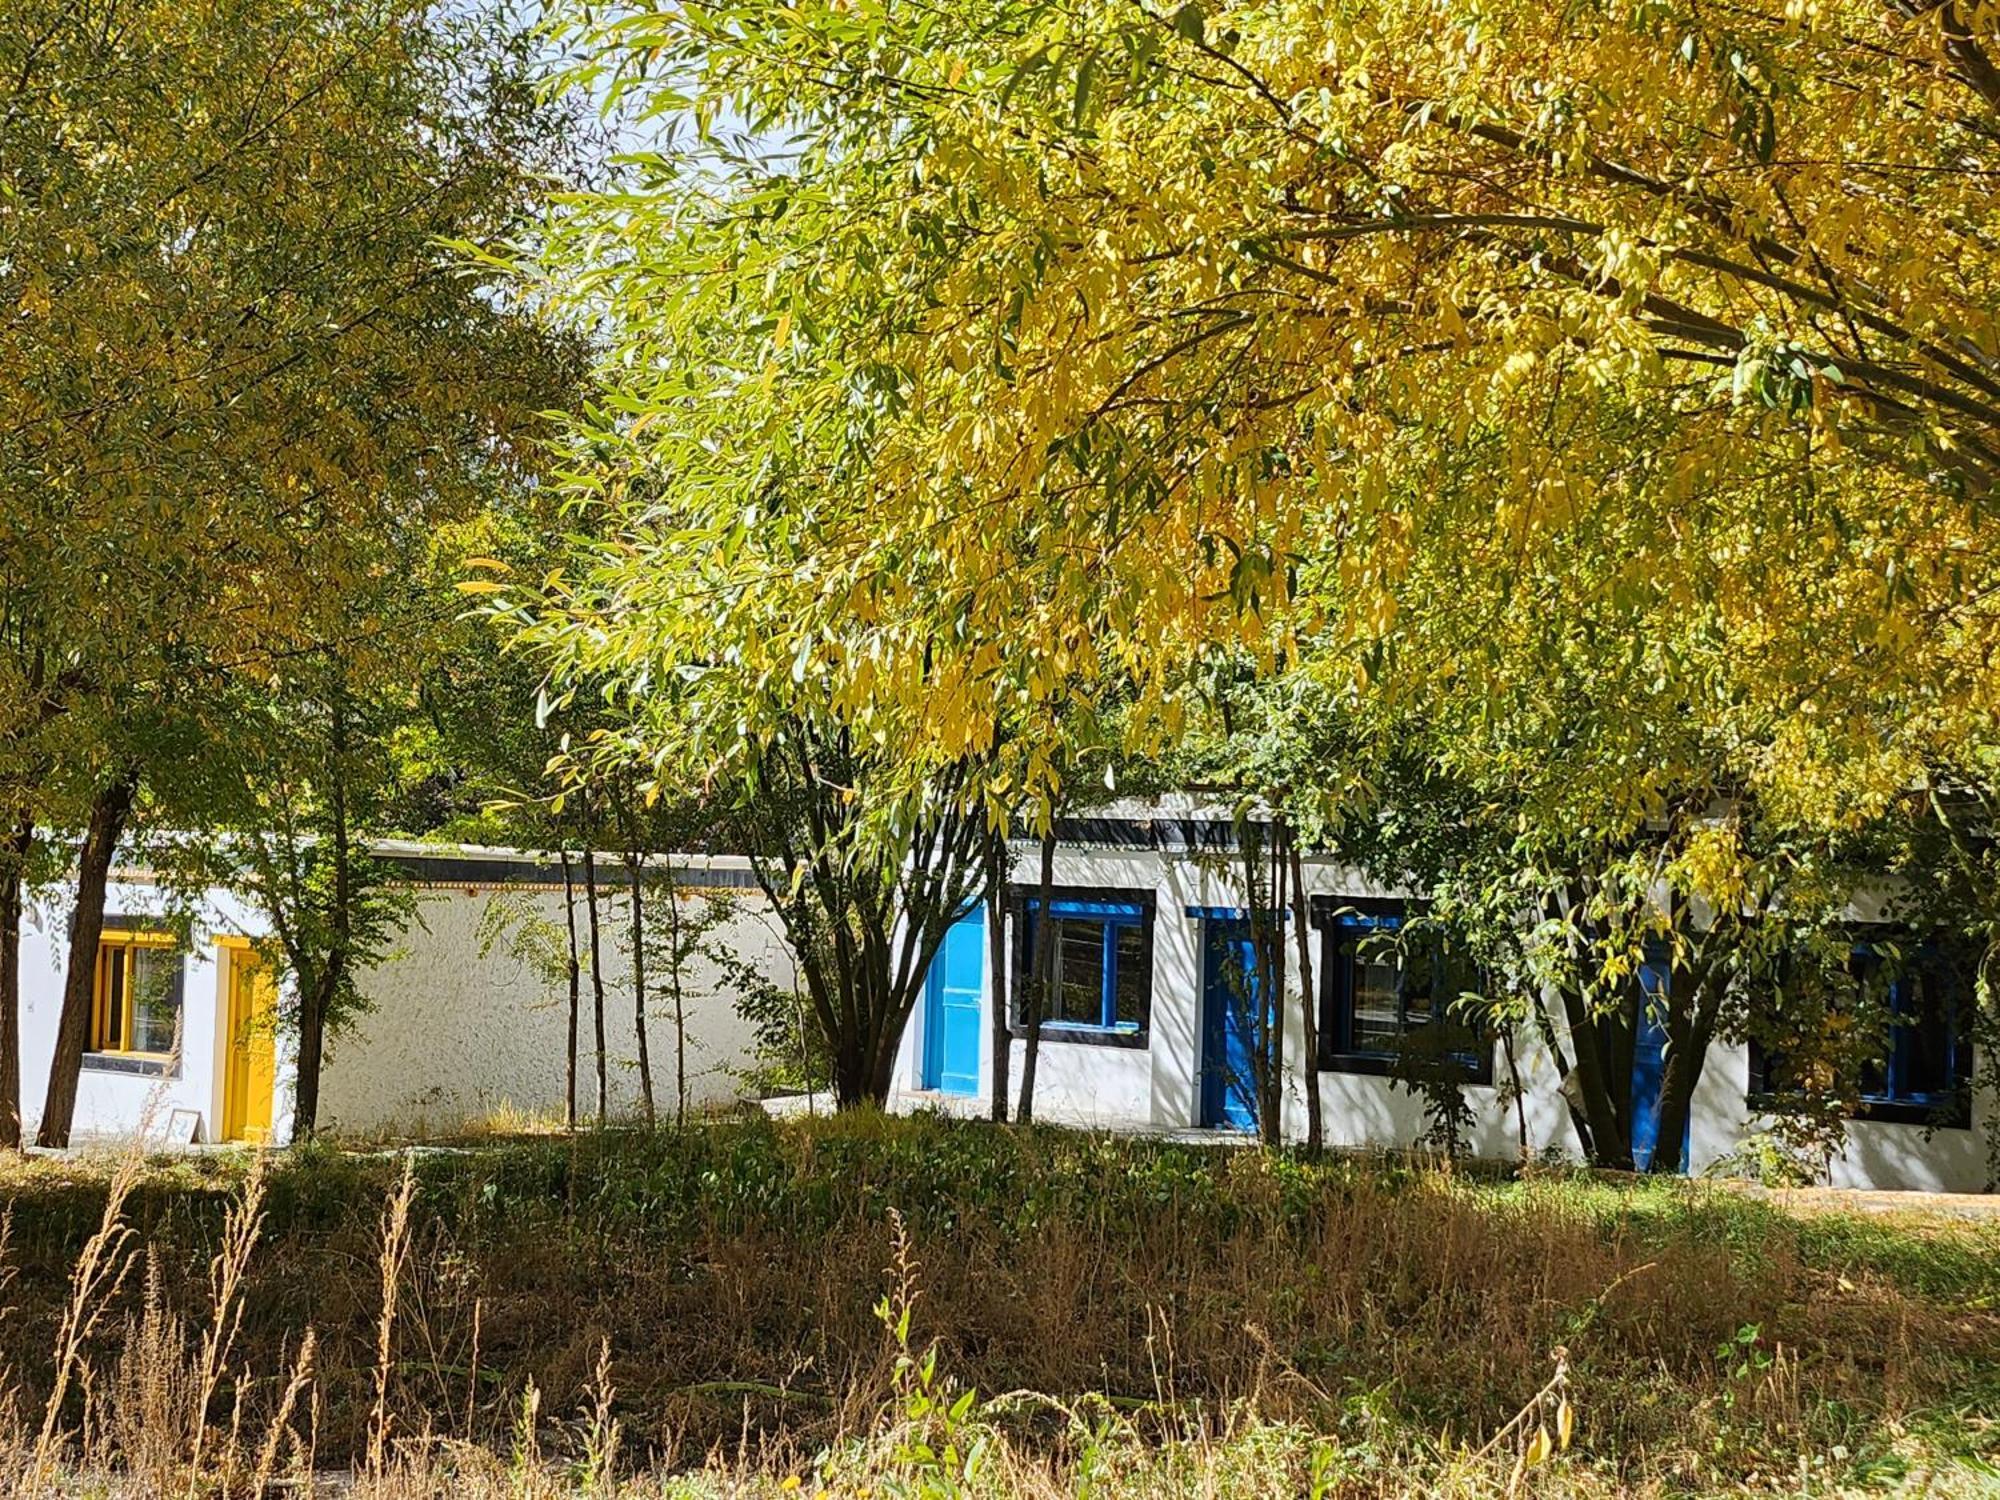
(719,1311)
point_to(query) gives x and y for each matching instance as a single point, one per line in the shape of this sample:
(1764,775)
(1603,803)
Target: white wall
(456,1038)
(1157,1086)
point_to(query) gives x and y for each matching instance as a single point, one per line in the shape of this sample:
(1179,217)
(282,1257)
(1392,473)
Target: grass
(922,1307)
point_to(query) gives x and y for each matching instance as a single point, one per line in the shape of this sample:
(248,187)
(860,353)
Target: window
(1376,1000)
(1104,963)
(1923,1072)
(139,988)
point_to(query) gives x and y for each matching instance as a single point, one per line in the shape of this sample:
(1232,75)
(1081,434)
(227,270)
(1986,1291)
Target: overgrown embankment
(735,1271)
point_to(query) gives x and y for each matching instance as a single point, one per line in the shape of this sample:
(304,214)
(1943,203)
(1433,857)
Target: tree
(244,377)
(1568,387)
(1110,333)
(865,887)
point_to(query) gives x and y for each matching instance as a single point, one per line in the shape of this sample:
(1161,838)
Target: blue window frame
(1924,1073)
(1375,997)
(1104,964)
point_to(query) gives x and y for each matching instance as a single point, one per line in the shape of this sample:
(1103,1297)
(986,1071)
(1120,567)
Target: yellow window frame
(128,943)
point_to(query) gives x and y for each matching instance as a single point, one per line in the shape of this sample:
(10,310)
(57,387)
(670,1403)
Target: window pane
(1927,1045)
(1131,982)
(1456,978)
(1080,997)
(155,1003)
(1373,1018)
(111,959)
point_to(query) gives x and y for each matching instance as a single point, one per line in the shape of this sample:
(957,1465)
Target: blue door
(1649,1060)
(1229,1006)
(953,1009)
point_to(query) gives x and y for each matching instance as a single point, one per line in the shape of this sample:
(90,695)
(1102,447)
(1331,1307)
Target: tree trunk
(316,1003)
(13,873)
(675,959)
(1689,1030)
(639,987)
(1272,994)
(1610,1139)
(850,1074)
(575,986)
(1302,925)
(315,1000)
(596,975)
(1520,1101)
(112,805)
(1034,996)
(996,965)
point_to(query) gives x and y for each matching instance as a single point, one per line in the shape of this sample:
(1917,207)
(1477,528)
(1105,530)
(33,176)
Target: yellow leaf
(1538,1449)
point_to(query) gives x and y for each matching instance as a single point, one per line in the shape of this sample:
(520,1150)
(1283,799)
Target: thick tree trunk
(596,977)
(13,872)
(852,1075)
(996,967)
(1034,996)
(1690,1028)
(639,987)
(575,986)
(108,813)
(1302,930)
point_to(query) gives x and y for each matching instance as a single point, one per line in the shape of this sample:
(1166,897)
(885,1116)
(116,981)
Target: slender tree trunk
(315,1001)
(675,959)
(1302,929)
(632,862)
(1034,996)
(596,978)
(1274,1007)
(108,812)
(575,985)
(1610,1139)
(13,873)
(996,965)
(1520,1101)
(1258,989)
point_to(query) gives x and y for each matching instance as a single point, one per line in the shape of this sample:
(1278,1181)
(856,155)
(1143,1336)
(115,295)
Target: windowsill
(137,1064)
(1377,1065)
(1954,1116)
(1087,1036)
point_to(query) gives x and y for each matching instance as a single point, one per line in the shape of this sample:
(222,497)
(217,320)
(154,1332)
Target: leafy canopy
(967,355)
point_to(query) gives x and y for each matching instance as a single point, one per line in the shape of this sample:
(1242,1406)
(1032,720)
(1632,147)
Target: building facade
(1148,1032)
(468,1027)
(464,1027)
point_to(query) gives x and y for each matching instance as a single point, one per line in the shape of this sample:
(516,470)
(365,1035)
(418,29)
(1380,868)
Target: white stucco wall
(459,1038)
(1157,1086)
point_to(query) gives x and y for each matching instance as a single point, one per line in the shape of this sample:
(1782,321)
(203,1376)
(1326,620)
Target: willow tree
(1105,331)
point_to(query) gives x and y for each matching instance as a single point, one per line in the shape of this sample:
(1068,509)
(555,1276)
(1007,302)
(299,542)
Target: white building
(463,1028)
(1150,908)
